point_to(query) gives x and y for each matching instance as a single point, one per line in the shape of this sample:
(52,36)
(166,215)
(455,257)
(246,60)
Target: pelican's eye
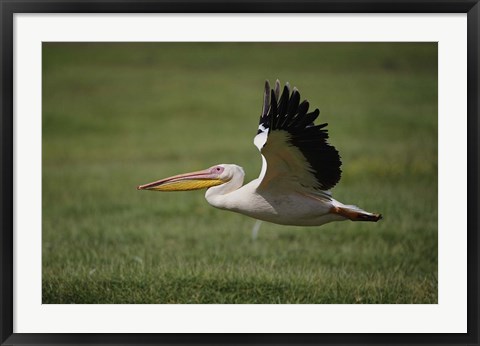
(217,169)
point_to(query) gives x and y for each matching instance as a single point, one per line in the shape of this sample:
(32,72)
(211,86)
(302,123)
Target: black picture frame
(10,7)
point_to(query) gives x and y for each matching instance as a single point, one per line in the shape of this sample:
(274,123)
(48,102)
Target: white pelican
(299,168)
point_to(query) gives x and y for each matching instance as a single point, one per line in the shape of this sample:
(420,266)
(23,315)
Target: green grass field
(119,115)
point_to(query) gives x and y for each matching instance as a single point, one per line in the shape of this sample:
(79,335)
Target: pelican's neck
(217,196)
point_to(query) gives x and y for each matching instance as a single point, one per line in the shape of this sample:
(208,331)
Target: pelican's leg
(355,214)
(255,229)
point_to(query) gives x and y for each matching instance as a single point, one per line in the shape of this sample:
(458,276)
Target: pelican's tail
(354,213)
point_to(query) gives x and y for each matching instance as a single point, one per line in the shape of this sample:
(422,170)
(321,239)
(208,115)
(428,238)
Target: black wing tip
(285,110)
(266,101)
(267,85)
(277,89)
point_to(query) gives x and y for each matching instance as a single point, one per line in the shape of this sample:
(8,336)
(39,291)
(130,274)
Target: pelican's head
(213,176)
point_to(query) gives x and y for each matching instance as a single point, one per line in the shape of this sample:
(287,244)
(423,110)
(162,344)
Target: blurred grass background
(116,115)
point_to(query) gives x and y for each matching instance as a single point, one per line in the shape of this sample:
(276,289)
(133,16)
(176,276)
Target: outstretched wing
(294,149)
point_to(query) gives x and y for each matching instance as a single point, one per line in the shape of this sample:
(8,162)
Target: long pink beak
(185,182)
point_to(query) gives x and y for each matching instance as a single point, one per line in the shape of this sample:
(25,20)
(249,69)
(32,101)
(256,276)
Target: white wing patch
(260,139)
(259,142)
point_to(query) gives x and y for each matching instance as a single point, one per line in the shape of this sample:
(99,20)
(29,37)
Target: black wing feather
(287,113)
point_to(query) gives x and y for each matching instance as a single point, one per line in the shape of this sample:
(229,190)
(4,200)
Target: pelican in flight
(299,169)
